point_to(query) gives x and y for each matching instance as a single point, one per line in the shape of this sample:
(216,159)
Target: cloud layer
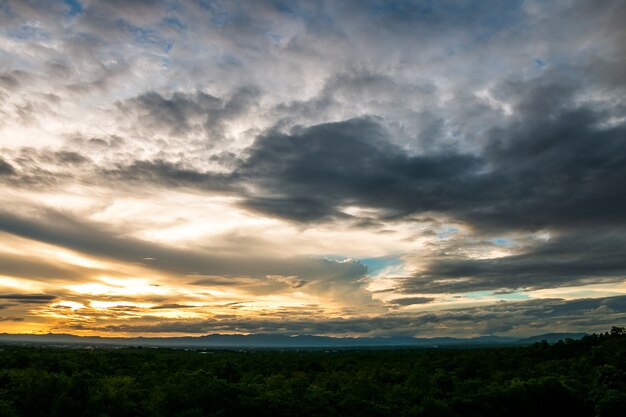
(335,167)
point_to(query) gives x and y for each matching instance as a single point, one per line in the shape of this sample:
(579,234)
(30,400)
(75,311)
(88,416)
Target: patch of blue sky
(502,241)
(493,20)
(384,263)
(206,4)
(229,60)
(73,7)
(446,231)
(142,35)
(477,294)
(165,62)
(489,295)
(173,22)
(503,17)
(401,7)
(28,32)
(219,17)
(284,7)
(146,36)
(165,59)
(315,17)
(275,37)
(5,9)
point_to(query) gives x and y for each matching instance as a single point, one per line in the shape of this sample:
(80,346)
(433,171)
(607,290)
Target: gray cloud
(183,113)
(570,259)
(10,81)
(44,168)
(160,172)
(553,166)
(6,168)
(408,301)
(308,175)
(506,118)
(11,318)
(28,298)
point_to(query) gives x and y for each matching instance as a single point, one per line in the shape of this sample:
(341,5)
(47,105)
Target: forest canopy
(585,377)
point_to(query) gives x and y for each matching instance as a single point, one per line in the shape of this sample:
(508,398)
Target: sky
(343,168)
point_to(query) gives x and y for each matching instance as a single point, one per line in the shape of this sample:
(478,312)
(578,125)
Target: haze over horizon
(336,168)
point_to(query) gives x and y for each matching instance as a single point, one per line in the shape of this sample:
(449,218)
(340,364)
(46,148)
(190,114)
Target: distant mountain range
(279,341)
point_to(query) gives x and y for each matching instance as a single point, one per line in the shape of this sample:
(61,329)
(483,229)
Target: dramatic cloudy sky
(362,168)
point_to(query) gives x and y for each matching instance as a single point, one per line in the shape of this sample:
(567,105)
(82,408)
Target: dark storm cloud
(526,317)
(28,298)
(557,164)
(570,259)
(554,166)
(308,175)
(408,301)
(6,168)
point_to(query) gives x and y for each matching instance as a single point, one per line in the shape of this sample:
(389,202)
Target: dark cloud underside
(537,316)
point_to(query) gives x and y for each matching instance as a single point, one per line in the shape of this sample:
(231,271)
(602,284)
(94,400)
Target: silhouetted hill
(280,341)
(551,337)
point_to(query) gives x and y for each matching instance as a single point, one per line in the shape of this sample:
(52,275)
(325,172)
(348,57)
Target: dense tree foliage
(575,378)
